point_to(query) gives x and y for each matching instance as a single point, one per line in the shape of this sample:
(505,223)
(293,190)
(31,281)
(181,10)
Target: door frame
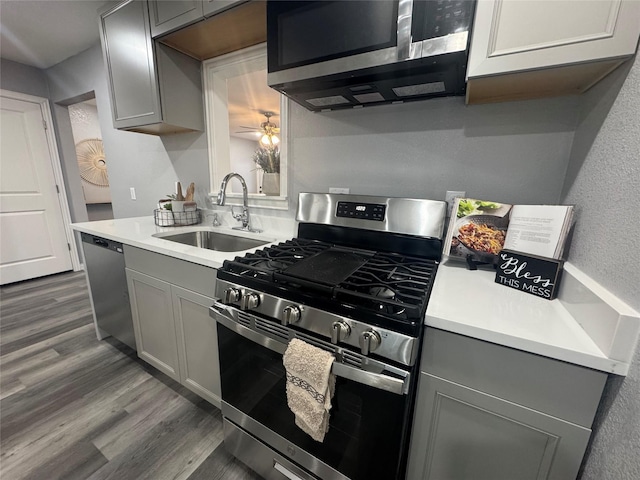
(63,200)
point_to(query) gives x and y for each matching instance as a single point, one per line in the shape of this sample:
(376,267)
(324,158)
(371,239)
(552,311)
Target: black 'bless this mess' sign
(535,275)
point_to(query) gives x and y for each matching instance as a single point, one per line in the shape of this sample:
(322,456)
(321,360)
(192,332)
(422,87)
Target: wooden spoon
(190,191)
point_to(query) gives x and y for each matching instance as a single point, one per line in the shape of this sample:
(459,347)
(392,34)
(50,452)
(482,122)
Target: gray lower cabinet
(489,412)
(173,329)
(154,322)
(196,333)
(467,434)
(153,88)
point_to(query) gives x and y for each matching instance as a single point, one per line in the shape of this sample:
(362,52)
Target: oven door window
(301,33)
(365,437)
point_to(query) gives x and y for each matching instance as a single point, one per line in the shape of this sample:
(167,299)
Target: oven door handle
(399,386)
(225,317)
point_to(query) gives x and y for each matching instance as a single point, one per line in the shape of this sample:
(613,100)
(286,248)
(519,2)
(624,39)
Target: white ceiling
(42,33)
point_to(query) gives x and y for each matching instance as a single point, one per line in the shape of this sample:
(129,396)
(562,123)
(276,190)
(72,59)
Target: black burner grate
(388,285)
(265,262)
(391,283)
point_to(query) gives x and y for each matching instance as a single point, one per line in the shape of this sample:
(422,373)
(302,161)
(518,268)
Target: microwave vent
(421,89)
(361,88)
(328,101)
(369,97)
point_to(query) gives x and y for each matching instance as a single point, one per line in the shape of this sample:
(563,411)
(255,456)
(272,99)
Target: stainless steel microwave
(339,54)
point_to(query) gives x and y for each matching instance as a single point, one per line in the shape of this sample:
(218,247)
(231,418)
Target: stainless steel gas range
(354,282)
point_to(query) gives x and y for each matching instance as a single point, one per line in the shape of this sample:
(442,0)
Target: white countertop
(139,232)
(471,303)
(589,327)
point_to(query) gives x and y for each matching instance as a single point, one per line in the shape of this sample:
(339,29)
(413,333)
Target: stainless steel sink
(214,241)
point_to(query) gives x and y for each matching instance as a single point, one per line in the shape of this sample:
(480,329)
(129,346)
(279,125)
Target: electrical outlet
(132,191)
(450,198)
(338,190)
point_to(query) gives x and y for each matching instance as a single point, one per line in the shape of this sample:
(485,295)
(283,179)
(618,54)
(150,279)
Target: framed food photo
(477,230)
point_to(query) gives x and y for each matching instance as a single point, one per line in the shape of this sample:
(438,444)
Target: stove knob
(232,295)
(339,331)
(250,301)
(292,314)
(369,341)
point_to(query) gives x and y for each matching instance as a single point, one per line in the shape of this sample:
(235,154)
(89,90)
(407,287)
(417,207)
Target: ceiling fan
(268,129)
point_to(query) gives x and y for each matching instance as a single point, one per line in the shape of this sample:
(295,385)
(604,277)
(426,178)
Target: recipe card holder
(472,263)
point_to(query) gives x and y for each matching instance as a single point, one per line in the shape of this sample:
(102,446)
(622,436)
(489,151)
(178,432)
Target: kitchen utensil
(190,191)
(179,195)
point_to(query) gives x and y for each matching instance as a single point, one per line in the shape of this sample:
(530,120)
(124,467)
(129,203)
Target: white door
(33,240)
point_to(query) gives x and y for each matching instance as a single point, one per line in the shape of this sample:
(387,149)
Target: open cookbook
(479,229)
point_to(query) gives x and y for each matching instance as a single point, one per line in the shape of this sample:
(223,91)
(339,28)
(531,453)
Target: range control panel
(365,211)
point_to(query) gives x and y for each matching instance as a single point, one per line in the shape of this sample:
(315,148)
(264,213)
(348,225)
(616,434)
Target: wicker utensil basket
(167,218)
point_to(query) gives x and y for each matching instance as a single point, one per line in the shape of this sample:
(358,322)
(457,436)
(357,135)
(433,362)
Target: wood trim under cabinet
(549,82)
(229,31)
(160,129)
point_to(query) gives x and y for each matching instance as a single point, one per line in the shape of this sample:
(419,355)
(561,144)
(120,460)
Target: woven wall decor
(93,166)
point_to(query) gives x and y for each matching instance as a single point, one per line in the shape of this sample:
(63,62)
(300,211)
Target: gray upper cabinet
(130,60)
(154,89)
(170,15)
(211,7)
(522,50)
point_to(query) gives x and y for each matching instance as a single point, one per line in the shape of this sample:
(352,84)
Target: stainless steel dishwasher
(104,264)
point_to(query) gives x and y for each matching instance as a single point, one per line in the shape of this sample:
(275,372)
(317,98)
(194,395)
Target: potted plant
(268,160)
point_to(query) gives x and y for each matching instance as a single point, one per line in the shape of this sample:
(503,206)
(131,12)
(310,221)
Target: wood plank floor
(73,407)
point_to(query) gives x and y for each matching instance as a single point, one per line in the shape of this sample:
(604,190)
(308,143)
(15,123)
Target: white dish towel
(310,386)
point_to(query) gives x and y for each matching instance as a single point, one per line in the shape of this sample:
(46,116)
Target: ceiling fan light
(269,140)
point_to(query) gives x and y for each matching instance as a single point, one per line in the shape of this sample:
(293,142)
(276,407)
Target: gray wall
(603,180)
(148,163)
(509,152)
(69,163)
(21,78)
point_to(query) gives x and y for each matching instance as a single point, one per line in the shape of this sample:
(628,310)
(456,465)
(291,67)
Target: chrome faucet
(241,217)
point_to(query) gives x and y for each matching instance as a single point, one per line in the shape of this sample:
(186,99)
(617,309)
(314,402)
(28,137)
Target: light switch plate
(132,191)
